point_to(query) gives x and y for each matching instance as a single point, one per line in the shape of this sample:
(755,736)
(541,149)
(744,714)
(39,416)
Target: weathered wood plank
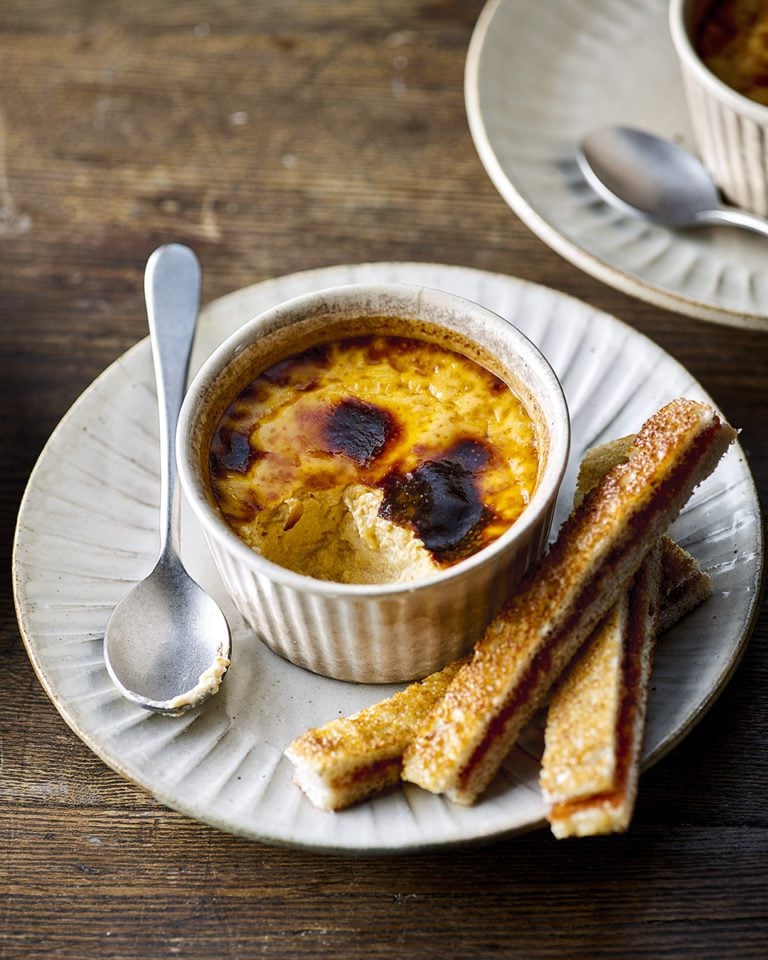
(273,137)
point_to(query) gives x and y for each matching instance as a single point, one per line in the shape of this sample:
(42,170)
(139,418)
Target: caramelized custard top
(445,447)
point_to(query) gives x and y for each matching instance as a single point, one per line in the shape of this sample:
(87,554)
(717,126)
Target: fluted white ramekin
(385,632)
(731,130)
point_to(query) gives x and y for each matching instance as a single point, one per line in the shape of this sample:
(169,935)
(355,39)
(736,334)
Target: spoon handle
(734,217)
(172,292)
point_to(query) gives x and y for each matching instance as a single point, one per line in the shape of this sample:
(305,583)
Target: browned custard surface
(732,39)
(373,459)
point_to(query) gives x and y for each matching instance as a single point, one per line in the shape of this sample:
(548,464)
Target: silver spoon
(648,177)
(167,644)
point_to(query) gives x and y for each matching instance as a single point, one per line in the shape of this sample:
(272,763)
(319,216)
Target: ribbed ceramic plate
(538,77)
(87,531)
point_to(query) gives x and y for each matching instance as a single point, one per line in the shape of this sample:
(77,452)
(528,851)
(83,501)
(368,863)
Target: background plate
(538,77)
(87,531)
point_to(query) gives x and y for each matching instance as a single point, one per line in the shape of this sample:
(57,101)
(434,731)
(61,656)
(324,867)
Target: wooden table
(272,137)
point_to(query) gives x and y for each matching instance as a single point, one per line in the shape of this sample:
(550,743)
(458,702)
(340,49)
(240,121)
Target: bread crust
(600,547)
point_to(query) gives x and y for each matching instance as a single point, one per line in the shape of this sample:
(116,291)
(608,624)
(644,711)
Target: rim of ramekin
(690,58)
(551,398)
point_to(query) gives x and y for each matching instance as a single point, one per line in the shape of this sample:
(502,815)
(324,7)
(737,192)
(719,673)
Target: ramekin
(385,632)
(731,130)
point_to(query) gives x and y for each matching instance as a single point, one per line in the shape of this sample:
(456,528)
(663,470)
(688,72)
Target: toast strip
(350,758)
(561,600)
(596,717)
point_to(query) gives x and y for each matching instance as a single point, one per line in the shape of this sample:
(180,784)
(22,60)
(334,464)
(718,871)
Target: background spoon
(167,643)
(645,176)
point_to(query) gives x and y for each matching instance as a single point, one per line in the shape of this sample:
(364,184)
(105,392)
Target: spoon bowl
(648,177)
(162,650)
(167,643)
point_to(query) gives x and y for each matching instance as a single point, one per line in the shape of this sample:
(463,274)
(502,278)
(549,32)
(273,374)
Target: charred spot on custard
(231,452)
(359,430)
(440,500)
(474,455)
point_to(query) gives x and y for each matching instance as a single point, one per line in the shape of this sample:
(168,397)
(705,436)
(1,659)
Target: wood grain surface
(276,136)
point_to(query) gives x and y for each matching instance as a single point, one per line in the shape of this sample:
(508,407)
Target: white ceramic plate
(87,531)
(538,77)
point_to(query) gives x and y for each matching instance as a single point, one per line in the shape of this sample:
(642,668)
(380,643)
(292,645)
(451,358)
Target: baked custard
(373,459)
(732,40)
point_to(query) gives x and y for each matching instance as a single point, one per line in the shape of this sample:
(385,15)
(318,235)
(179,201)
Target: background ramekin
(731,130)
(386,632)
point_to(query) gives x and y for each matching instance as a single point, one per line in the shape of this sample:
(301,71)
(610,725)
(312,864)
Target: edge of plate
(566,248)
